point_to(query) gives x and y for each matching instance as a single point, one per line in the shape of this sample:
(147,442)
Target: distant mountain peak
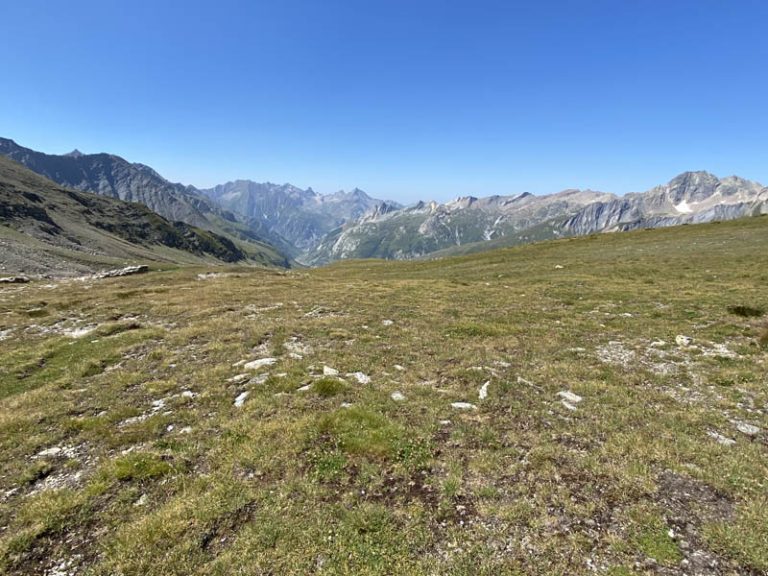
(74,154)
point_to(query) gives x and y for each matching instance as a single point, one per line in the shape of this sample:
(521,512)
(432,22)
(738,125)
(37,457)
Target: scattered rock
(397,396)
(328,371)
(239,379)
(463,406)
(568,405)
(58,452)
(360,377)
(683,341)
(346,405)
(747,429)
(297,349)
(186,430)
(658,343)
(78,332)
(399,368)
(240,400)
(14,280)
(723,440)
(304,388)
(559,267)
(188,394)
(570,396)
(142,501)
(387,322)
(258,364)
(615,353)
(127,271)
(483,394)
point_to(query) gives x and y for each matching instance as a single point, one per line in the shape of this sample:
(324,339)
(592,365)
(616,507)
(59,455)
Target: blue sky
(405,99)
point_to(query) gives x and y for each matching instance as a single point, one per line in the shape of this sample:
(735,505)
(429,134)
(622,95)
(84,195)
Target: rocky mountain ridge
(48,229)
(428,228)
(112,176)
(302,217)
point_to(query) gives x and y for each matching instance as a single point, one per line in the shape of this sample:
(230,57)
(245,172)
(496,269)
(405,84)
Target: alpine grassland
(595,405)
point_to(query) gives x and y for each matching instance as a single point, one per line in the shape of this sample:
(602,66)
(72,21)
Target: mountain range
(472,224)
(311,228)
(46,228)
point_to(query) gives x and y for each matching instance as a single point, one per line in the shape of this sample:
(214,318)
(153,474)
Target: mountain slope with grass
(112,176)
(45,228)
(592,405)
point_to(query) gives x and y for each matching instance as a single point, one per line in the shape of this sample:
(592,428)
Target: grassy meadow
(595,405)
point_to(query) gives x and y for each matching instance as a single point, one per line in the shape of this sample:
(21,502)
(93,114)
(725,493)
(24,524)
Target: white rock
(328,371)
(568,405)
(502,364)
(387,322)
(399,368)
(463,406)
(240,400)
(55,451)
(169,428)
(559,267)
(304,388)
(445,422)
(681,340)
(78,332)
(295,356)
(188,394)
(747,429)
(658,343)
(260,363)
(724,440)
(186,430)
(397,396)
(360,377)
(483,394)
(570,396)
(346,405)
(141,501)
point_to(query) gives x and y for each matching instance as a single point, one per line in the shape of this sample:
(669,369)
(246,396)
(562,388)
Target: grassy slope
(151,480)
(63,229)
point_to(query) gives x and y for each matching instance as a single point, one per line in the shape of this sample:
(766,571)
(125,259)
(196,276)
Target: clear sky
(406,99)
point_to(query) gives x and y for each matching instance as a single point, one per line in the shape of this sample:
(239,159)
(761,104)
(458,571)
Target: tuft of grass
(746,311)
(140,466)
(328,387)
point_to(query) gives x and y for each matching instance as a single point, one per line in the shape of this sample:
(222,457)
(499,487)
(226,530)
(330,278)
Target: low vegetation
(591,405)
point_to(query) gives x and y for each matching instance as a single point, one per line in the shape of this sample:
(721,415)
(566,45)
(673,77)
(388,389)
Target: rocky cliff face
(302,217)
(496,221)
(691,197)
(428,227)
(114,177)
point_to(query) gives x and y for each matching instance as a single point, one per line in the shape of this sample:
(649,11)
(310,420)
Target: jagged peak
(74,154)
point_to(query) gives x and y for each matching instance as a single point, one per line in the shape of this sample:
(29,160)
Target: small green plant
(328,387)
(746,311)
(140,466)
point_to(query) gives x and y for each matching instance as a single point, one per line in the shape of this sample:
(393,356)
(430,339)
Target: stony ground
(597,405)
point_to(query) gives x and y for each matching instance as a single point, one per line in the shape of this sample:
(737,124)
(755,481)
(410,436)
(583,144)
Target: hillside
(593,405)
(45,229)
(112,176)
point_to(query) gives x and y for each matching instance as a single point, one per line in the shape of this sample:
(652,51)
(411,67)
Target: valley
(575,406)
